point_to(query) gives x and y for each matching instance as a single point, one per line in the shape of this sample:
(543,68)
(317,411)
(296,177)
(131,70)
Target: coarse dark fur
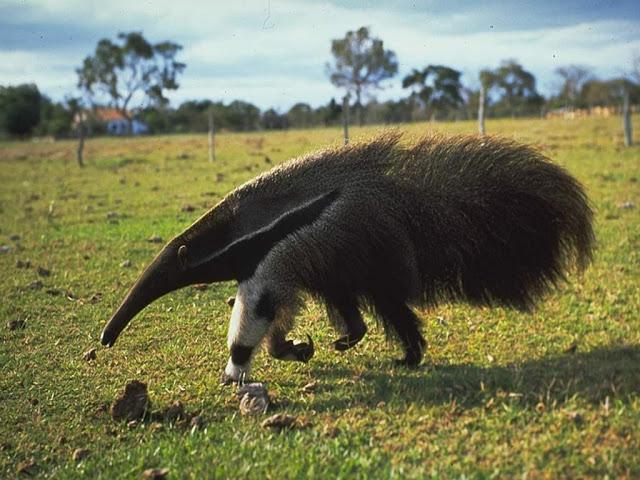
(382,224)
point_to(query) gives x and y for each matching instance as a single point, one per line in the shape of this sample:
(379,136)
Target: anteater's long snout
(158,279)
(131,305)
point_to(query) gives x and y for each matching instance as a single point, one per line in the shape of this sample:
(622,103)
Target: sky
(273,53)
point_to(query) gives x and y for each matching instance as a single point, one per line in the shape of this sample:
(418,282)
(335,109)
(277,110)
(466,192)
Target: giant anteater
(379,224)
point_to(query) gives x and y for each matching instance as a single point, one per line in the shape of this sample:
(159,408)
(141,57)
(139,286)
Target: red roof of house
(109,114)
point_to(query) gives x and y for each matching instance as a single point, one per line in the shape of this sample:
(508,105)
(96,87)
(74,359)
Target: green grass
(499,394)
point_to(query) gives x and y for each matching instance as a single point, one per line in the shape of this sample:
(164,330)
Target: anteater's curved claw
(226,379)
(348,341)
(304,351)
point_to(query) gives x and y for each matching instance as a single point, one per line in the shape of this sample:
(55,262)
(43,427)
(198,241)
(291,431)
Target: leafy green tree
(55,118)
(330,114)
(437,87)
(301,115)
(361,63)
(192,116)
(242,116)
(19,109)
(389,112)
(600,93)
(130,69)
(156,118)
(596,93)
(516,88)
(633,79)
(573,77)
(272,120)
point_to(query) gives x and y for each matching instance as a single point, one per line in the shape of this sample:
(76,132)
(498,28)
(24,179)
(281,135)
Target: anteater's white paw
(235,373)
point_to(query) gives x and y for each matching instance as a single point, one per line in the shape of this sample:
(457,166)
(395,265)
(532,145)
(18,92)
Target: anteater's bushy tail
(498,223)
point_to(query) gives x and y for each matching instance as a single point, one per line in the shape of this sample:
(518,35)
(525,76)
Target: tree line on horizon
(119,72)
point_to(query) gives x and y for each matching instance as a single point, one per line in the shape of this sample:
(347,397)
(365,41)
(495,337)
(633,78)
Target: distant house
(115,123)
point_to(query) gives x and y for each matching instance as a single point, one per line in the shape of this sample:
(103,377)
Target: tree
(596,93)
(573,78)
(156,118)
(130,69)
(600,93)
(437,87)
(360,63)
(80,119)
(390,111)
(242,115)
(193,116)
(634,81)
(300,115)
(19,109)
(516,88)
(55,118)
(272,120)
(329,114)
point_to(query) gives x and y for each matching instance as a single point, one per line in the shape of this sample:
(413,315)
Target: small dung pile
(155,473)
(17,324)
(132,403)
(133,406)
(283,421)
(254,399)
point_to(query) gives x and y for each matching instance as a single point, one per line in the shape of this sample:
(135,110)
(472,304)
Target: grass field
(501,394)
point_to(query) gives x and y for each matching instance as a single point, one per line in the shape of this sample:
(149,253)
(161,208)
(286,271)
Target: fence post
(626,115)
(212,140)
(345,118)
(81,134)
(481,102)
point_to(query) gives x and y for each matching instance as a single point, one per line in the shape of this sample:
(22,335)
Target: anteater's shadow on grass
(591,376)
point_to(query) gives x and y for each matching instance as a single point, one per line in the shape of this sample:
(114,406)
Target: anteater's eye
(182,257)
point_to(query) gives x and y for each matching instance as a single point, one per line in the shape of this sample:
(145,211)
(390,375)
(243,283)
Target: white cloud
(48,71)
(274,52)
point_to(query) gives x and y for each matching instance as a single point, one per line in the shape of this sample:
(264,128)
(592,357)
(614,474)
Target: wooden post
(345,118)
(481,102)
(81,134)
(212,140)
(626,116)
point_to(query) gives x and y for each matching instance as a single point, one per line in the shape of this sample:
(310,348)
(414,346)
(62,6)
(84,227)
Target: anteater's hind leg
(281,348)
(346,318)
(397,316)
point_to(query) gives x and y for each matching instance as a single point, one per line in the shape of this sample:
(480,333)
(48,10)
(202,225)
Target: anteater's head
(221,245)
(169,271)
(185,260)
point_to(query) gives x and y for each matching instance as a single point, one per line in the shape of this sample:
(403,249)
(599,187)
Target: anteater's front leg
(261,310)
(277,344)
(283,349)
(252,316)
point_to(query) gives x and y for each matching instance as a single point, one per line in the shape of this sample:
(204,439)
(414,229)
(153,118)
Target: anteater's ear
(182,257)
